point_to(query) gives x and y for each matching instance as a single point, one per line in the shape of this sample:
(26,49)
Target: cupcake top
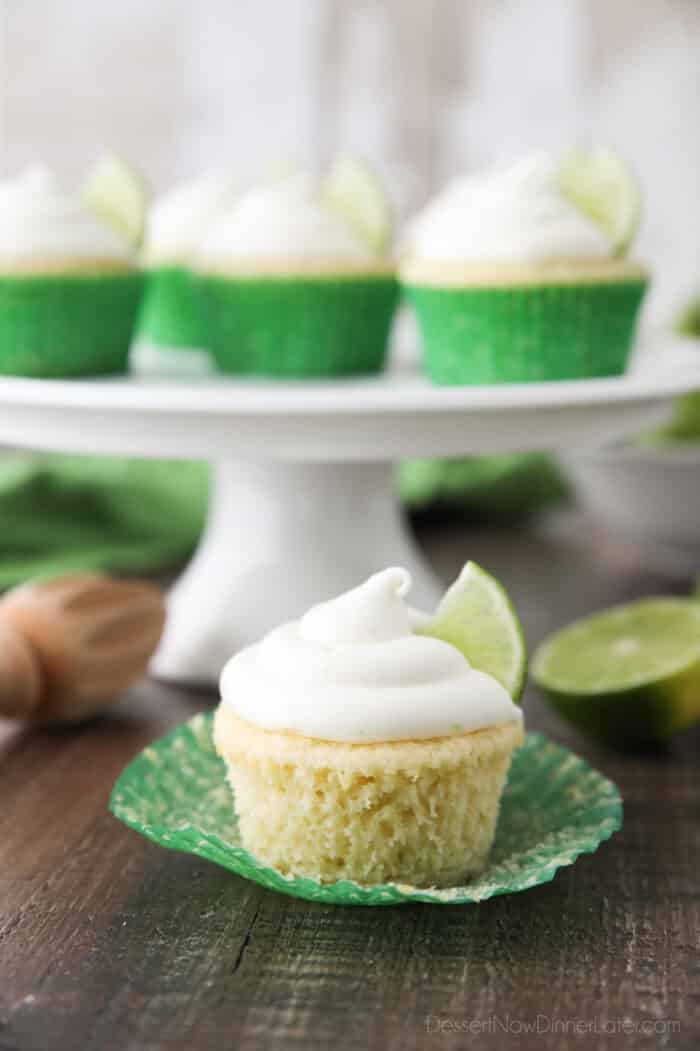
(42,225)
(181,217)
(281,223)
(514,214)
(353,670)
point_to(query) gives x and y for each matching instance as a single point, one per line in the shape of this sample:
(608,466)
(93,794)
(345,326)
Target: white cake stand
(302,503)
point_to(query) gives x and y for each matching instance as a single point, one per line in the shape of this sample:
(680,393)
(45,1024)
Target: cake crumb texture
(417,812)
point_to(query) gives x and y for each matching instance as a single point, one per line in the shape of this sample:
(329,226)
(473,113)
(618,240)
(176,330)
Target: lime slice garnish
(353,190)
(118,194)
(629,676)
(477,617)
(688,324)
(605,189)
(684,425)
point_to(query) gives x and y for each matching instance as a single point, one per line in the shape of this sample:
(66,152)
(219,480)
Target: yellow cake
(418,812)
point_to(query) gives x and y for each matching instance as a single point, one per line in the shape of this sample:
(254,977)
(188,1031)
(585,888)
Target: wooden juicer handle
(69,646)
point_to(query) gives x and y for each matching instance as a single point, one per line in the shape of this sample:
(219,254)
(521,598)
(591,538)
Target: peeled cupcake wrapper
(555,807)
(68,324)
(171,314)
(298,325)
(482,335)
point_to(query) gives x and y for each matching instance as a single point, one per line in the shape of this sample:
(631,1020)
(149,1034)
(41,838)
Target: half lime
(629,676)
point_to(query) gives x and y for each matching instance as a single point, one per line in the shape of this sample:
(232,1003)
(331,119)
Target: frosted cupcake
(296,279)
(177,222)
(359,749)
(69,284)
(521,274)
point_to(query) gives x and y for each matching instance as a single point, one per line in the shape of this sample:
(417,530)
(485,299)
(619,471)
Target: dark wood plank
(107,941)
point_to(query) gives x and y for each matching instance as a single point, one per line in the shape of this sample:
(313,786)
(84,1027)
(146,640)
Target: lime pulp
(118,194)
(604,188)
(354,191)
(476,616)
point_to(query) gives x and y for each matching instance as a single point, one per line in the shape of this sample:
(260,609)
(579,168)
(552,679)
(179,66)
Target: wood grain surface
(108,941)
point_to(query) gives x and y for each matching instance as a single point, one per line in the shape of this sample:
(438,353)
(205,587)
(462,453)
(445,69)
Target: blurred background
(424,89)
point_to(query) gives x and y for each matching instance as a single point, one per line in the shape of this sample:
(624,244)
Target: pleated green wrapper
(67,324)
(475,336)
(555,807)
(170,314)
(298,326)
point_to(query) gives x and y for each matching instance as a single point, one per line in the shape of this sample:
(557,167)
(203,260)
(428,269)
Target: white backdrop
(423,87)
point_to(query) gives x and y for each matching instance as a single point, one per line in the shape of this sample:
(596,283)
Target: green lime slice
(688,323)
(629,676)
(477,617)
(605,189)
(684,425)
(353,190)
(119,195)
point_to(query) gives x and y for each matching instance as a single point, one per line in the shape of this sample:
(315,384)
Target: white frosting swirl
(503,215)
(353,670)
(179,219)
(283,220)
(38,220)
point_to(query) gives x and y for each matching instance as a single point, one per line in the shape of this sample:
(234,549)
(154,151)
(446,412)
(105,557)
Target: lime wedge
(353,190)
(602,186)
(688,324)
(119,195)
(629,676)
(477,617)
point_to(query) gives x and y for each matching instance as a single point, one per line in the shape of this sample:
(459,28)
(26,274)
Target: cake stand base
(279,538)
(303,504)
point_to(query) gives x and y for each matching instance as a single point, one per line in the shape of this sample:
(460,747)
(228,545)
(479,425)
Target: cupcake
(69,284)
(296,279)
(177,222)
(521,274)
(359,749)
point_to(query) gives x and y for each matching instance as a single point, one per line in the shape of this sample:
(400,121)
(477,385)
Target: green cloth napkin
(62,514)
(498,488)
(59,514)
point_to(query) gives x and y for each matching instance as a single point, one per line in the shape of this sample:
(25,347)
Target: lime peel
(629,676)
(602,186)
(476,616)
(354,191)
(118,194)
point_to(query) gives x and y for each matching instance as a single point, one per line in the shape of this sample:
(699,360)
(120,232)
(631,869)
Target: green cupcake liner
(526,335)
(299,326)
(555,807)
(170,314)
(67,324)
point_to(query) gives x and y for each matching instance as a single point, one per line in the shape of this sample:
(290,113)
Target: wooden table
(107,941)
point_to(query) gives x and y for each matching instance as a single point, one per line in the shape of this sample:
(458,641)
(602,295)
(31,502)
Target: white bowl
(649,494)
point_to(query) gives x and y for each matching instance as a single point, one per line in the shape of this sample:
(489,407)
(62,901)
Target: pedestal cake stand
(302,501)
